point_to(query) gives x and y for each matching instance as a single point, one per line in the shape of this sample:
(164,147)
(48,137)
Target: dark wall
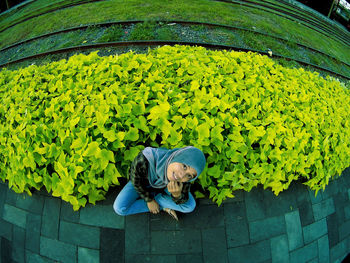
(322,6)
(11,3)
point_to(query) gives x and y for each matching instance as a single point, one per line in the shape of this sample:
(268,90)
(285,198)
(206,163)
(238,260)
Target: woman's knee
(119,209)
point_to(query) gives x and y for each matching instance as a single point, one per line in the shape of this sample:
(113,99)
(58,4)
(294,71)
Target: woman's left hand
(175,188)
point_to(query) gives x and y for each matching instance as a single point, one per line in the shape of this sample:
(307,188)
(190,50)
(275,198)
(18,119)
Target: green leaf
(95,195)
(77,143)
(93,149)
(61,170)
(214,171)
(129,155)
(180,122)
(101,118)
(203,131)
(159,111)
(29,161)
(216,133)
(141,123)
(132,134)
(175,137)
(74,122)
(110,135)
(84,189)
(112,173)
(199,195)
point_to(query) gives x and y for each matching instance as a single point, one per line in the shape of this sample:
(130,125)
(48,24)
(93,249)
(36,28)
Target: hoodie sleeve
(138,175)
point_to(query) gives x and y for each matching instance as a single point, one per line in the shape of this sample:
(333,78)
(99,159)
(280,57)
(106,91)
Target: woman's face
(180,172)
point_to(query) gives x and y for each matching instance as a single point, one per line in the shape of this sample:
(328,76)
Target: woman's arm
(139,177)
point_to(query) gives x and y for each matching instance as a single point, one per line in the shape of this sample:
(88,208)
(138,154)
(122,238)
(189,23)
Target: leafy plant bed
(74,126)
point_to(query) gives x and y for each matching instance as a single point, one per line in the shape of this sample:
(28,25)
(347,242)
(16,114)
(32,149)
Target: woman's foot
(171,212)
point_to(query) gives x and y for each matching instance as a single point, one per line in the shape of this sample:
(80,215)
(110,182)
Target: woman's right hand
(153,207)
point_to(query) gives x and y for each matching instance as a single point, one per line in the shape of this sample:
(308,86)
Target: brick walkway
(253,227)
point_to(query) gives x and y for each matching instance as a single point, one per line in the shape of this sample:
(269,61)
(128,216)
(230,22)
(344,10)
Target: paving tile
(254,204)
(68,214)
(323,249)
(15,215)
(101,215)
(137,234)
(315,199)
(235,212)
(266,228)
(50,218)
(36,258)
(323,209)
(214,245)
(112,243)
(339,251)
(239,197)
(11,197)
(5,250)
(33,204)
(82,235)
(86,255)
(301,193)
(258,252)
(280,249)
(331,189)
(306,214)
(347,212)
(340,201)
(190,258)
(150,258)
(279,205)
(236,224)
(333,230)
(3,192)
(176,242)
(52,206)
(344,230)
(314,260)
(304,254)
(58,250)
(294,230)
(33,227)
(315,231)
(202,217)
(6,229)
(18,244)
(163,222)
(237,234)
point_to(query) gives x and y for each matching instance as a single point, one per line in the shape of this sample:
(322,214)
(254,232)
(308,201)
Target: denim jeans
(128,202)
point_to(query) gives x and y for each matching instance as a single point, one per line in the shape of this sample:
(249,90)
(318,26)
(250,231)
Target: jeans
(128,202)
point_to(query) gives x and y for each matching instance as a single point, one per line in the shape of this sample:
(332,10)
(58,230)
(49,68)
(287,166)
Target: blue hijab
(160,158)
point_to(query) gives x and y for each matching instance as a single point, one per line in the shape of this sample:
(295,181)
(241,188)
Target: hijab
(160,158)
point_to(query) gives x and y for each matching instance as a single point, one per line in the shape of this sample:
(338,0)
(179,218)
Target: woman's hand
(153,207)
(175,188)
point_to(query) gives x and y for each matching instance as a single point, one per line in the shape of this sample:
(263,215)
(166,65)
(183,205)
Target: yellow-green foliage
(75,126)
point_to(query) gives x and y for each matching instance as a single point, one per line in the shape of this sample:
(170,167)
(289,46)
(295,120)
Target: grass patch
(143,31)
(166,33)
(112,33)
(198,10)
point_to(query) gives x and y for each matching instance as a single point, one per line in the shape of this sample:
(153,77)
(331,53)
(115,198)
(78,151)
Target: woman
(160,180)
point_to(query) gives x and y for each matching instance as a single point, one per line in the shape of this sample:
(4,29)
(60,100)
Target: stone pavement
(253,227)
